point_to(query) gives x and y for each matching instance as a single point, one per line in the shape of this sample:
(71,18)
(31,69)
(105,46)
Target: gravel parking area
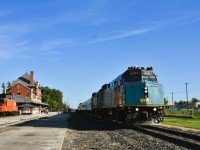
(86,132)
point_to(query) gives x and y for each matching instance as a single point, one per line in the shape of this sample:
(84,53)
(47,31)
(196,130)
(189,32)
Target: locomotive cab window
(149,78)
(1,102)
(129,79)
(132,75)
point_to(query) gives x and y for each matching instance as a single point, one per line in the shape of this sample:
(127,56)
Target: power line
(193,90)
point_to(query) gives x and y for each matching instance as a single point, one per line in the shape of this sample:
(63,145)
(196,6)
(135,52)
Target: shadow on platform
(84,122)
(56,121)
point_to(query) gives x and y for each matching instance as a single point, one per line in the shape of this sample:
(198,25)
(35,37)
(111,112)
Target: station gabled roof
(24,79)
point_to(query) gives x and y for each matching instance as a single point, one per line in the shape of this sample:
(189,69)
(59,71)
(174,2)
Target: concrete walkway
(45,134)
(14,119)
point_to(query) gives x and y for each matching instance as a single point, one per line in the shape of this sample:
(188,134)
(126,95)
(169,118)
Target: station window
(1,102)
(27,94)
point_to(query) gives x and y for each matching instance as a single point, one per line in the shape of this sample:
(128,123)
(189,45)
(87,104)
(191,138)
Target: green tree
(194,101)
(46,91)
(165,101)
(53,97)
(3,88)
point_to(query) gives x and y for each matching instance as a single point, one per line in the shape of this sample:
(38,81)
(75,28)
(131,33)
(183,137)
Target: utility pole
(186,93)
(172,100)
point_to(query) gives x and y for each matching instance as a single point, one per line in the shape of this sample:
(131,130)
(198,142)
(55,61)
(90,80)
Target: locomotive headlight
(154,109)
(145,91)
(136,109)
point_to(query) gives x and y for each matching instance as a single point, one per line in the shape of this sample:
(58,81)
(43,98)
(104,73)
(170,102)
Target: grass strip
(193,123)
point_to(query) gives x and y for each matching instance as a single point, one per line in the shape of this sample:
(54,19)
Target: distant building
(26,92)
(180,106)
(26,87)
(198,105)
(176,107)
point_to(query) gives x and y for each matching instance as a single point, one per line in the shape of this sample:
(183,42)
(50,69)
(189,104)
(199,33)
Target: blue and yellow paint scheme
(135,95)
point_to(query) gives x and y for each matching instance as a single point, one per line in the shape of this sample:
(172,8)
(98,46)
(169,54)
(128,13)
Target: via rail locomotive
(134,97)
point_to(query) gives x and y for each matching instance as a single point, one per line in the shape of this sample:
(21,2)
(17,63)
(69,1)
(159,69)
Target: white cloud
(17,40)
(54,43)
(121,35)
(5,55)
(93,13)
(11,43)
(174,22)
(15,43)
(83,17)
(150,26)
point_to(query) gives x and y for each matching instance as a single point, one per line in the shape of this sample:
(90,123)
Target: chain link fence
(191,113)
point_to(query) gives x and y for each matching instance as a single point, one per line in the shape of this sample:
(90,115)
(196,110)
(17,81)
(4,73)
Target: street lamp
(186,93)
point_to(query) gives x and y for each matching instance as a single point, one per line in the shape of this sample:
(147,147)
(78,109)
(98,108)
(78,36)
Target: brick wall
(21,90)
(26,92)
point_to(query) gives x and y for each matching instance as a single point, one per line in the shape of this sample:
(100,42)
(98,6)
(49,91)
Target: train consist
(134,97)
(8,106)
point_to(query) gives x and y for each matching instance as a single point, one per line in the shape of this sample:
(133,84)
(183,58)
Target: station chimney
(31,77)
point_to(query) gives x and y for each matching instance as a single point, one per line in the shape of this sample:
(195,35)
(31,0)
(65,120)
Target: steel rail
(177,140)
(175,132)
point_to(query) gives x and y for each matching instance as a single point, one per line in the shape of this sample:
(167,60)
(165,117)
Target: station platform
(21,118)
(47,133)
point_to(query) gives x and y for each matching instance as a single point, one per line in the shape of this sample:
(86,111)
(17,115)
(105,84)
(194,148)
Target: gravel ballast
(86,132)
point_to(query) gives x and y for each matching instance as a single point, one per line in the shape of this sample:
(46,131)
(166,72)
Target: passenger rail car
(133,97)
(8,106)
(85,106)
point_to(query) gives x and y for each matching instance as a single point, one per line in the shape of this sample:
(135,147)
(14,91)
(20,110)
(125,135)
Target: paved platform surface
(44,134)
(14,119)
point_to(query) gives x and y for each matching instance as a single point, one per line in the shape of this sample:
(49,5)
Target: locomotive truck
(134,97)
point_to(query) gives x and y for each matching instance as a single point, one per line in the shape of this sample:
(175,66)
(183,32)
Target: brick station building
(27,93)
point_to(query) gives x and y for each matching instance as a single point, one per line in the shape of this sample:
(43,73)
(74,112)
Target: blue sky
(76,46)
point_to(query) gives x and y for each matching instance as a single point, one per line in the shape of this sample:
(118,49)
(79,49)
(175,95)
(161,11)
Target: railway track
(180,138)
(188,140)
(183,139)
